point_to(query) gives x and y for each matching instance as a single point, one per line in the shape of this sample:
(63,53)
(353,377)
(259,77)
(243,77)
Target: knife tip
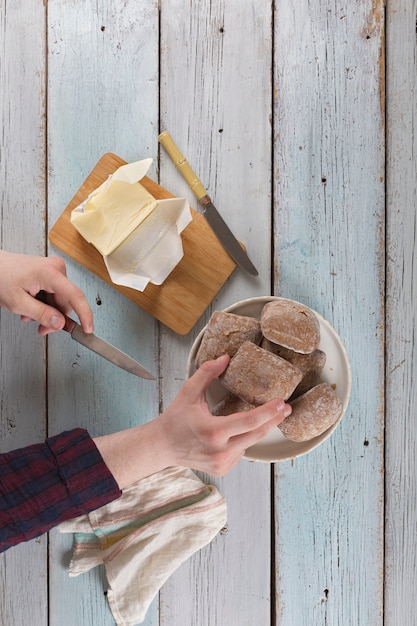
(147,375)
(251,269)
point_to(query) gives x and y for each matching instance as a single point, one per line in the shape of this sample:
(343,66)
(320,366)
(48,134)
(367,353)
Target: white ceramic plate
(275,447)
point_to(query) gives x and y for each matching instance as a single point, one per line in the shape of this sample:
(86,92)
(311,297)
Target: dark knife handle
(69,324)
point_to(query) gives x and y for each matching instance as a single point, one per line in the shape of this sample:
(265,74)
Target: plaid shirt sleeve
(44,484)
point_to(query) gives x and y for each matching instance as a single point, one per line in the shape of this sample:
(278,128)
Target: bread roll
(312,414)
(291,325)
(231,404)
(256,375)
(311,365)
(224,334)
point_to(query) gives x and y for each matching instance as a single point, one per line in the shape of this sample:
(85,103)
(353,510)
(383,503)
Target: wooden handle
(182,165)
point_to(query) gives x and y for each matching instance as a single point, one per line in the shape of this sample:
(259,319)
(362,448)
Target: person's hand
(188,435)
(22,277)
(195,438)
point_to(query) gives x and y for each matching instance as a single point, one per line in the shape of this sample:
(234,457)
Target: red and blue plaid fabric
(44,484)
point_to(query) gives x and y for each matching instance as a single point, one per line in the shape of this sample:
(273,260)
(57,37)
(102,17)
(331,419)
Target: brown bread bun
(291,325)
(256,375)
(224,334)
(311,365)
(312,413)
(231,404)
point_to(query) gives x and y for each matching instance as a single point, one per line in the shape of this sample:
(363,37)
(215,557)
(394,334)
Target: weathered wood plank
(328,184)
(401,319)
(329,241)
(216,59)
(102,96)
(23,570)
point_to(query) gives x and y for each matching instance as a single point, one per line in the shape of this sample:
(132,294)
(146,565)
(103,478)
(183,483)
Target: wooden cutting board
(184,296)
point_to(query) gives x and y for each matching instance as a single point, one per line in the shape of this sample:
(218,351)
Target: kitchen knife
(214,219)
(106,350)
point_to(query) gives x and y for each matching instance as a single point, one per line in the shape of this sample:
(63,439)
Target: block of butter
(114,209)
(138,236)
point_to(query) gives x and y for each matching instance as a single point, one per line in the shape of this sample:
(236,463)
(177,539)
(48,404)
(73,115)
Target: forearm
(188,435)
(72,474)
(135,453)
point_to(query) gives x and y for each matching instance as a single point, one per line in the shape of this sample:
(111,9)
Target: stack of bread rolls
(276,356)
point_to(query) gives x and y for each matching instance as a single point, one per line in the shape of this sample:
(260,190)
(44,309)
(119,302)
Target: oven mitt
(144,536)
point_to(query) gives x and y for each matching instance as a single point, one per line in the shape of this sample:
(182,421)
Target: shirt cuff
(47,483)
(88,482)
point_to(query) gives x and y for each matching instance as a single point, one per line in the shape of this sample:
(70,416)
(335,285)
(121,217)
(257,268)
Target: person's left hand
(23,276)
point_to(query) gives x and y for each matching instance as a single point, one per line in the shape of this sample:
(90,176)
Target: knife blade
(105,349)
(209,211)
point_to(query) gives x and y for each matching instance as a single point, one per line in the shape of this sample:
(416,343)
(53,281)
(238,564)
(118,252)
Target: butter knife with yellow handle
(209,211)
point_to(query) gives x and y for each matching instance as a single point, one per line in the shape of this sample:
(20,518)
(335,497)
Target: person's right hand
(188,435)
(191,436)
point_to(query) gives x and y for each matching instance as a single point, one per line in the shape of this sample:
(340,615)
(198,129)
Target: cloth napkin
(144,536)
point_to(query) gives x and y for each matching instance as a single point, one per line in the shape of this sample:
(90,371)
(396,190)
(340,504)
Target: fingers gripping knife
(101,347)
(105,350)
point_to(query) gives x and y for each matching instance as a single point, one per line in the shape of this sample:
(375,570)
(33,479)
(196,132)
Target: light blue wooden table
(300,119)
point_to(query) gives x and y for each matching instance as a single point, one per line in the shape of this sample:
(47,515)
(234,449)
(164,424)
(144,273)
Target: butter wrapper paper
(138,236)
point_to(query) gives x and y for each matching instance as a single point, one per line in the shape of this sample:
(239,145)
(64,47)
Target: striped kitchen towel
(144,536)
